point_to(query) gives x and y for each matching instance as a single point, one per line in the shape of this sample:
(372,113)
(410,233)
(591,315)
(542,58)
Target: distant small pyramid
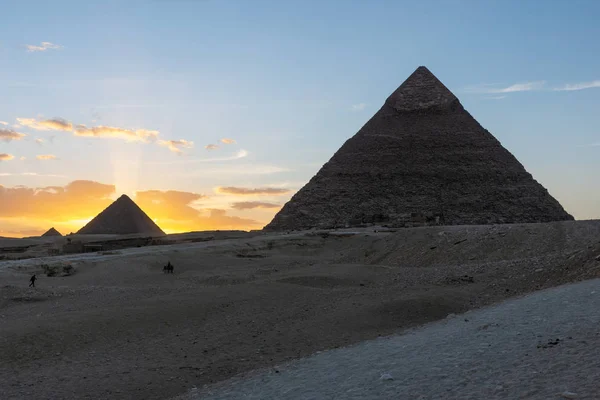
(52,232)
(421,159)
(120,218)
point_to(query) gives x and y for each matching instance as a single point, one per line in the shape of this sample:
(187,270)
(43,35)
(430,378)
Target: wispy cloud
(176,146)
(6,157)
(517,87)
(239,154)
(54,124)
(3,123)
(358,107)
(32,174)
(130,135)
(495,97)
(248,205)
(241,191)
(22,158)
(211,147)
(579,86)
(597,144)
(228,141)
(46,157)
(43,47)
(227,171)
(39,141)
(8,135)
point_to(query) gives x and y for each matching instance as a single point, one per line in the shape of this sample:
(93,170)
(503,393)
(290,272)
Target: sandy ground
(540,347)
(119,328)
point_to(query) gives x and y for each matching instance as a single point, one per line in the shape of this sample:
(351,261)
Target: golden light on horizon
(32,211)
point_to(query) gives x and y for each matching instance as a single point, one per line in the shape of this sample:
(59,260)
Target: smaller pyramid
(122,217)
(51,232)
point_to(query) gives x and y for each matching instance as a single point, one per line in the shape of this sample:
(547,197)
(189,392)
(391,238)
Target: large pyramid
(122,217)
(51,232)
(422,159)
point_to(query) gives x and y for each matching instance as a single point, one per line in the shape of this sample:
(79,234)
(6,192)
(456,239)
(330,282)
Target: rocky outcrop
(122,217)
(422,159)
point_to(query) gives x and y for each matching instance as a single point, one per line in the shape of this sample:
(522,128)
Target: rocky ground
(119,328)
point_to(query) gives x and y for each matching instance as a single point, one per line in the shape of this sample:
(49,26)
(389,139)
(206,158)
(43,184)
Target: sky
(211,114)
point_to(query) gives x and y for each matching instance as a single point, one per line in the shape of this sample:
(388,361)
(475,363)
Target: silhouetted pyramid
(52,232)
(422,158)
(122,217)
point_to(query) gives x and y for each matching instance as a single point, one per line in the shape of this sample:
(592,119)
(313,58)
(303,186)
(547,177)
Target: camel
(168,269)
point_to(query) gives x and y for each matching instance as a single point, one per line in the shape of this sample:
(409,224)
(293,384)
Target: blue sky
(289,81)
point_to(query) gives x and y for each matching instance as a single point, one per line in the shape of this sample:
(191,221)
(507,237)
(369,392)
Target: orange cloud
(169,204)
(240,191)
(54,124)
(176,145)
(211,147)
(218,219)
(173,212)
(228,141)
(6,157)
(248,205)
(8,135)
(31,211)
(78,199)
(138,135)
(46,157)
(19,228)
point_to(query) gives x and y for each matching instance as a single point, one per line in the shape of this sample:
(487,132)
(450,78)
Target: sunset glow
(30,212)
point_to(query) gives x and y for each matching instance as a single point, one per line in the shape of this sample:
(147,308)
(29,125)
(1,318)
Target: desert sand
(541,346)
(120,328)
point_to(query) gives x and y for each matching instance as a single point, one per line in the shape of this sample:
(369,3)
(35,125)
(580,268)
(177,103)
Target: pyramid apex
(420,91)
(52,232)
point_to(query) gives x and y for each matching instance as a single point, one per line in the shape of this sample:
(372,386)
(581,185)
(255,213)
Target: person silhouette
(32,281)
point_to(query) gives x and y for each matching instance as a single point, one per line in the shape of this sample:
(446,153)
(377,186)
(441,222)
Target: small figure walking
(32,281)
(168,269)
